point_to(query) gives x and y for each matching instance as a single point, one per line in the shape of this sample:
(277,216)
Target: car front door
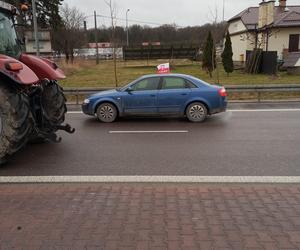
(173,95)
(141,97)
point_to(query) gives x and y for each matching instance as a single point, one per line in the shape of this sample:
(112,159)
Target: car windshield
(127,85)
(8,38)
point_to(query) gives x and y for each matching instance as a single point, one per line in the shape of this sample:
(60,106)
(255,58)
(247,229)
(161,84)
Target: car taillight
(222,92)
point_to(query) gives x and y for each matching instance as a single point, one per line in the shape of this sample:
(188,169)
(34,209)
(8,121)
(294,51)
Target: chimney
(282,4)
(266,13)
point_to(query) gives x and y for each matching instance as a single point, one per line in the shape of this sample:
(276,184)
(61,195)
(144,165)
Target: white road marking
(152,179)
(232,110)
(74,112)
(149,132)
(263,110)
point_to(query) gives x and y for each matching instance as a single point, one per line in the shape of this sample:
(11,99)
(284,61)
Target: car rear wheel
(107,112)
(196,112)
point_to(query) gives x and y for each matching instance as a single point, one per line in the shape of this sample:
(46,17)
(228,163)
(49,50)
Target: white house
(44,42)
(271,27)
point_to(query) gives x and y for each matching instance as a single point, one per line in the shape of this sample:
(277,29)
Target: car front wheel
(196,112)
(107,112)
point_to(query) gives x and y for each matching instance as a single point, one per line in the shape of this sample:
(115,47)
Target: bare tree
(213,15)
(112,8)
(68,36)
(258,38)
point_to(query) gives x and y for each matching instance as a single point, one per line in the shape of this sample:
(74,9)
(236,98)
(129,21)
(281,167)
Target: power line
(133,20)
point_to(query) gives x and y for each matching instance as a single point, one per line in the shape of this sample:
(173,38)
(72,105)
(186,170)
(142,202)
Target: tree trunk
(115,57)
(67,57)
(67,51)
(72,55)
(115,68)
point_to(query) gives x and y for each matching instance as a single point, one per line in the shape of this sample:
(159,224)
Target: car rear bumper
(222,107)
(218,110)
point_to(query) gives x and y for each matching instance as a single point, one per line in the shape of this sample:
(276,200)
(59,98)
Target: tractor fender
(24,76)
(42,67)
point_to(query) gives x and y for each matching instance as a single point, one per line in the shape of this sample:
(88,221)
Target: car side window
(173,83)
(191,85)
(146,84)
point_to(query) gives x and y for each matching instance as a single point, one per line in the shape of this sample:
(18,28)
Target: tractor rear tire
(53,102)
(15,122)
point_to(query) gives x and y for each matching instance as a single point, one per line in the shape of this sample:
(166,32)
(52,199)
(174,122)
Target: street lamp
(223,10)
(127,27)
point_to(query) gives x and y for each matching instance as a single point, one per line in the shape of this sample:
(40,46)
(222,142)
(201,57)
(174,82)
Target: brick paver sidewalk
(149,216)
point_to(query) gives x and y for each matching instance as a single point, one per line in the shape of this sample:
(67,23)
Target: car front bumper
(86,109)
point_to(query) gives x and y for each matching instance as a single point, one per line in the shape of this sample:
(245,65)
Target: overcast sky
(181,12)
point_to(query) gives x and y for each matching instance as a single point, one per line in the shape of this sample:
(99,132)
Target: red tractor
(32,104)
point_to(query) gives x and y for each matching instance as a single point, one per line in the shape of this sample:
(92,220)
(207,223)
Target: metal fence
(258,90)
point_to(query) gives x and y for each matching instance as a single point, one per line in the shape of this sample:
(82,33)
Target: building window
(294,43)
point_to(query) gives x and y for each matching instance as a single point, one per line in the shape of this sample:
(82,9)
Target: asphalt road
(239,143)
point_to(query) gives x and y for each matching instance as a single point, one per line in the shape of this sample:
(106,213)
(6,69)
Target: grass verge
(86,73)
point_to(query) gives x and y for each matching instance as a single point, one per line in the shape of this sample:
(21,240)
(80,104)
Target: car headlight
(86,101)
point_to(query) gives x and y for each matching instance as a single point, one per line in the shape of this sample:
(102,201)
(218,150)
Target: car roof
(161,75)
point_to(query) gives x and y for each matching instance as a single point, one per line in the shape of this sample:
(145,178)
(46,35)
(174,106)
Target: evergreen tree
(47,12)
(227,55)
(209,55)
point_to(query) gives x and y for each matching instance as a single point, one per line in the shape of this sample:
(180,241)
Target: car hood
(105,93)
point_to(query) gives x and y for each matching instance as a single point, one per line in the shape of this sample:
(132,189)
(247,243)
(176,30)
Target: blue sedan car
(159,95)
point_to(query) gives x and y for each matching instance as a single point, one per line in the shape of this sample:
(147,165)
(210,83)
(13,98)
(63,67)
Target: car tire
(107,112)
(15,122)
(196,112)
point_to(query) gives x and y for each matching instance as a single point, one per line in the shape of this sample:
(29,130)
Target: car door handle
(152,95)
(183,93)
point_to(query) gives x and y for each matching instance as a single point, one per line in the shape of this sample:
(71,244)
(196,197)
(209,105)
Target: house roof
(283,18)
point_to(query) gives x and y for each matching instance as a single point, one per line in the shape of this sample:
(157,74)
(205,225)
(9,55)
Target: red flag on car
(163,68)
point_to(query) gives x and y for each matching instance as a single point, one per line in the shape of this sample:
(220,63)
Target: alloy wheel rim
(106,112)
(197,112)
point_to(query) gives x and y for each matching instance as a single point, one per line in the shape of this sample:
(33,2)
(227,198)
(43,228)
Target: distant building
(105,51)
(269,27)
(151,44)
(44,42)
(100,45)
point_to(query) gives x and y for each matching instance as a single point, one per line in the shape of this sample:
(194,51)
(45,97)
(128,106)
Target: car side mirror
(129,89)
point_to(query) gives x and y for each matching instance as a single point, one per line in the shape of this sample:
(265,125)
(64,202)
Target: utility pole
(127,27)
(96,38)
(223,10)
(35,26)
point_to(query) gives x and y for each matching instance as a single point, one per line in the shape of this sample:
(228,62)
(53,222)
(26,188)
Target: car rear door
(173,95)
(142,98)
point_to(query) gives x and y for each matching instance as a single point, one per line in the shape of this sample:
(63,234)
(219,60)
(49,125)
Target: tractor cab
(9,43)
